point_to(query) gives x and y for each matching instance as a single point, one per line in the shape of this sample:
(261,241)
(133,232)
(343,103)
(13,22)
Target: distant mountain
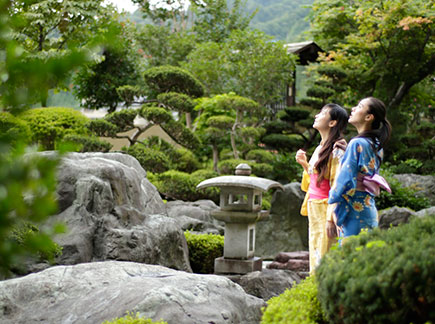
(283,19)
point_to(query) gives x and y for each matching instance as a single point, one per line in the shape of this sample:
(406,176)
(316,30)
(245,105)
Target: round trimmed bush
(203,249)
(382,276)
(184,160)
(260,156)
(150,159)
(49,125)
(229,166)
(87,143)
(298,305)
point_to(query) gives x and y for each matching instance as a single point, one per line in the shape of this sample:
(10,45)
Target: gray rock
(113,212)
(286,229)
(195,216)
(394,216)
(95,292)
(424,184)
(267,283)
(426,212)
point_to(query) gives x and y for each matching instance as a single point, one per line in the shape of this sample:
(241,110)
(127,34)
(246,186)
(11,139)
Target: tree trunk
(189,120)
(215,157)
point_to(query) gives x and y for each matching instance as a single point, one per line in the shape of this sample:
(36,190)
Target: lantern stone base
(222,265)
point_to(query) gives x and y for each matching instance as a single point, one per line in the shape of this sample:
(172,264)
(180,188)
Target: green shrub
(184,160)
(263,170)
(294,114)
(260,156)
(229,166)
(203,249)
(283,142)
(276,127)
(177,185)
(382,276)
(285,168)
(150,159)
(298,305)
(13,129)
(49,125)
(129,319)
(87,143)
(400,196)
(211,193)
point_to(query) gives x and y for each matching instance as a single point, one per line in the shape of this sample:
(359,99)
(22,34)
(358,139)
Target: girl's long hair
(338,113)
(380,132)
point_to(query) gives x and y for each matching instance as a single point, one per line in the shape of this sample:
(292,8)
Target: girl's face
(360,114)
(322,120)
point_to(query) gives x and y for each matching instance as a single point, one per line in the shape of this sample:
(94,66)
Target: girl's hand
(331,229)
(301,158)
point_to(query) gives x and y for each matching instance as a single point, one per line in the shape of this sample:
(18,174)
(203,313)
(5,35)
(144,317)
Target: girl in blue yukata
(358,181)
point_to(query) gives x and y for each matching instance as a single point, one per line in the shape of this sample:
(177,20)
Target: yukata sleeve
(304,187)
(344,186)
(334,170)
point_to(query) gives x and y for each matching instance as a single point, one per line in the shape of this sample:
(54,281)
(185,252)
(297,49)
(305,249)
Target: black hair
(338,113)
(380,131)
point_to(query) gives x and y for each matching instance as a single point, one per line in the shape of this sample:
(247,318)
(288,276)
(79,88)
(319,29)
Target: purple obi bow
(372,184)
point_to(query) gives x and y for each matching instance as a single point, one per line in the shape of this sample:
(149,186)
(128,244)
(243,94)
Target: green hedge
(49,125)
(87,143)
(203,249)
(384,276)
(298,305)
(129,319)
(150,159)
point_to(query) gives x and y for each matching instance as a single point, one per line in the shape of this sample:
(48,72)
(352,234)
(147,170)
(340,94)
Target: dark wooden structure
(307,52)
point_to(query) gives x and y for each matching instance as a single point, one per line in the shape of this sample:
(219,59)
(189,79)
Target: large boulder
(195,216)
(112,212)
(285,229)
(424,184)
(267,283)
(394,216)
(95,292)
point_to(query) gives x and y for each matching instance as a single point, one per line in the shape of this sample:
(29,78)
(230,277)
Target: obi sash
(372,184)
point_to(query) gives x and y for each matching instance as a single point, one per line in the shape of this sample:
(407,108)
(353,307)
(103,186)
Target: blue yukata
(356,185)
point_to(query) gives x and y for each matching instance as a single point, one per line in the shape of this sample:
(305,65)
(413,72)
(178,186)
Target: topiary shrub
(87,143)
(150,159)
(400,196)
(13,129)
(263,170)
(260,156)
(285,168)
(203,249)
(49,125)
(211,193)
(229,166)
(177,185)
(283,142)
(382,276)
(129,319)
(184,160)
(298,305)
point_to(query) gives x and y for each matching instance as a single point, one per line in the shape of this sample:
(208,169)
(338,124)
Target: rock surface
(267,283)
(195,216)
(286,229)
(112,212)
(394,216)
(424,184)
(95,292)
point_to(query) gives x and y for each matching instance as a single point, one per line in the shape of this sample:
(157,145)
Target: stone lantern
(240,209)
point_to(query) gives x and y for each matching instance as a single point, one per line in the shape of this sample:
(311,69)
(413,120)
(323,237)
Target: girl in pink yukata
(318,177)
(358,181)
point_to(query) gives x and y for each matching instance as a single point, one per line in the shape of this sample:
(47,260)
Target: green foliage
(49,125)
(285,168)
(283,19)
(298,305)
(294,114)
(27,194)
(129,319)
(182,186)
(157,115)
(87,143)
(13,129)
(176,101)
(127,93)
(181,134)
(102,127)
(229,166)
(382,276)
(24,233)
(150,159)
(247,63)
(283,142)
(261,156)
(172,79)
(184,160)
(400,196)
(203,249)
(276,126)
